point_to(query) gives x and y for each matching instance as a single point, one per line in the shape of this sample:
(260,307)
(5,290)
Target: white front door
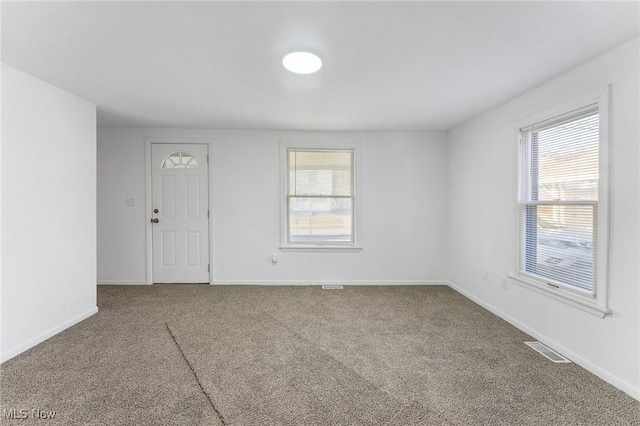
(180,206)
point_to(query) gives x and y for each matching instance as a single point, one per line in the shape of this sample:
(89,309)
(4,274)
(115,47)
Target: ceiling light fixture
(302,62)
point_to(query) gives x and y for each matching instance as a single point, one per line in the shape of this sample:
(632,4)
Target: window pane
(320,220)
(567,155)
(175,157)
(320,172)
(560,243)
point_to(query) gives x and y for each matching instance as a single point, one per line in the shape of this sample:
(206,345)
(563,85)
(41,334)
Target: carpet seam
(220,417)
(391,417)
(300,337)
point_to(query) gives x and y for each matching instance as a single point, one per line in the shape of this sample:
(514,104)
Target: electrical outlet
(505,283)
(485,275)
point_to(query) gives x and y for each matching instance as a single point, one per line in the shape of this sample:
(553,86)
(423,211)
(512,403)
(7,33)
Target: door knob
(156,220)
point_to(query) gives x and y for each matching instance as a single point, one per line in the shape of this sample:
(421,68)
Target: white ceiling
(387,65)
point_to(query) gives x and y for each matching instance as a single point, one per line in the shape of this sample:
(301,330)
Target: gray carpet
(207,355)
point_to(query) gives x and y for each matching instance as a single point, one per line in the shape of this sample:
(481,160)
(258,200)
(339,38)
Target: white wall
(402,188)
(482,169)
(121,229)
(48,211)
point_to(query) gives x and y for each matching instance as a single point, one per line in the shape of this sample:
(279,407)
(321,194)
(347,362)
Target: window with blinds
(320,196)
(559,199)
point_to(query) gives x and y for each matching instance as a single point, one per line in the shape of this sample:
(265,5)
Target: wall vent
(332,287)
(547,352)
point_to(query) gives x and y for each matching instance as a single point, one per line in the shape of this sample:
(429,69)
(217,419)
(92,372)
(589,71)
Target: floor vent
(332,287)
(547,352)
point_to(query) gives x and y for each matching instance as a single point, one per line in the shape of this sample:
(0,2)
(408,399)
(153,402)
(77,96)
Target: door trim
(149,203)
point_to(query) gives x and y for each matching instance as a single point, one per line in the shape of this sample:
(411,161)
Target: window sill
(321,248)
(584,304)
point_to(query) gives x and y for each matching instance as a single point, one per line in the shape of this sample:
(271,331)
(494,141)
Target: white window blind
(559,199)
(320,196)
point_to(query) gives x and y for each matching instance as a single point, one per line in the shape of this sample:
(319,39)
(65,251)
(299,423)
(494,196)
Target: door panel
(167,200)
(193,249)
(181,197)
(168,249)
(193,196)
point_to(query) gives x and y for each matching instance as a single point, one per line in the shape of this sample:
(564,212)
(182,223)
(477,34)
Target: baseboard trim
(16,350)
(122,282)
(328,282)
(586,364)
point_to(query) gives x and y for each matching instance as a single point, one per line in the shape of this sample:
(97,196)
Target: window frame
(285,244)
(595,301)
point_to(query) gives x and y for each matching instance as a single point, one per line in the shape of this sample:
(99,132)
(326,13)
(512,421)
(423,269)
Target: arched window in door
(179,160)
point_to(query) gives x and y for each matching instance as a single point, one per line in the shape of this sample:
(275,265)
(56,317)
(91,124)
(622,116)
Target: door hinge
(207,158)
(208,268)
(207,213)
